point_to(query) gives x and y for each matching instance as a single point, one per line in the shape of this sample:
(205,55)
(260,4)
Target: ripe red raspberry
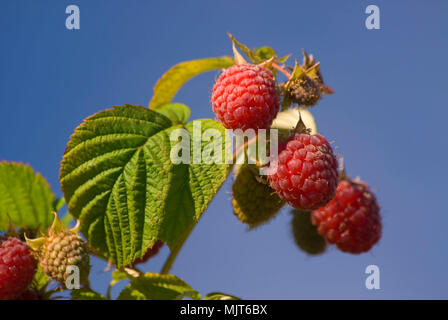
(245,97)
(351,220)
(17,268)
(151,252)
(307,174)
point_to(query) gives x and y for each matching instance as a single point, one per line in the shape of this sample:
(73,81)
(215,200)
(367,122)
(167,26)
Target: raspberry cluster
(245,97)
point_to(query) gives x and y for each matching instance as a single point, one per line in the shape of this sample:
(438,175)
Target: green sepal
(57,227)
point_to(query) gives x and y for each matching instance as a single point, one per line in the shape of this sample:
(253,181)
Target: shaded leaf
(305,233)
(25,196)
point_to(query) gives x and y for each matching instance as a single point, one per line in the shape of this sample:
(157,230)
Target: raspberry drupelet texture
(304,92)
(351,220)
(307,174)
(63,250)
(17,268)
(245,97)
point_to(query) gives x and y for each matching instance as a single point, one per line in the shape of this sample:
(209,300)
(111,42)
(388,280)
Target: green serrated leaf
(86,294)
(119,180)
(220,296)
(168,85)
(25,197)
(154,286)
(178,113)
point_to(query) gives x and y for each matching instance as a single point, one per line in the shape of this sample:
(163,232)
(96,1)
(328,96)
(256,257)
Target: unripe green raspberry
(61,251)
(305,233)
(304,91)
(254,202)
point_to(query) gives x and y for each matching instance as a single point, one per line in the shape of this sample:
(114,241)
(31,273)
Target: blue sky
(387,117)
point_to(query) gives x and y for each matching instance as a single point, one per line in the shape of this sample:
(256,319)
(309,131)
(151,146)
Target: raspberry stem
(282,70)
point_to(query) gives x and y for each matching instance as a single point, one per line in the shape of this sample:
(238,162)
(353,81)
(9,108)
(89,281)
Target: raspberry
(151,252)
(253,202)
(62,250)
(245,97)
(351,220)
(17,268)
(308,63)
(304,91)
(305,233)
(307,174)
